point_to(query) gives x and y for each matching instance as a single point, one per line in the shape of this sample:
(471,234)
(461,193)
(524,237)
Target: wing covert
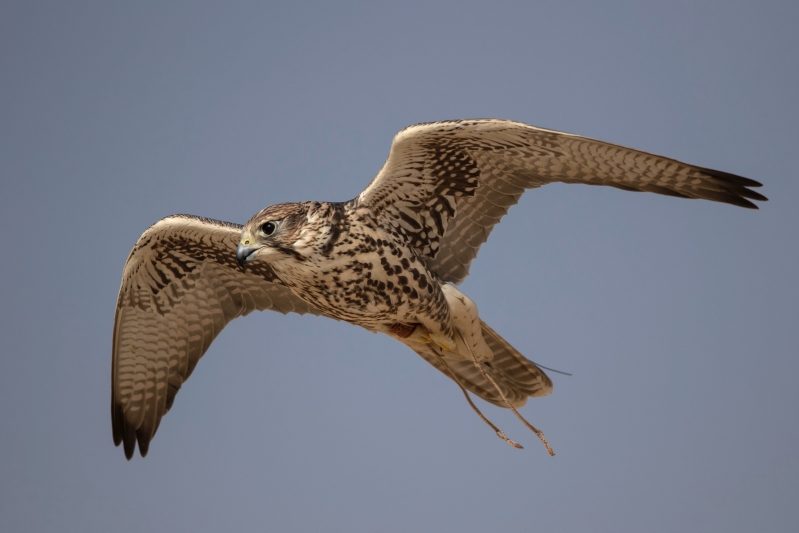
(181,286)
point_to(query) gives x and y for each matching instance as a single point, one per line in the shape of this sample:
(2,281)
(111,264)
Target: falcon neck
(319,230)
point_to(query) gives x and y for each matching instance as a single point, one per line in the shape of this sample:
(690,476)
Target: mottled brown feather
(181,285)
(472,171)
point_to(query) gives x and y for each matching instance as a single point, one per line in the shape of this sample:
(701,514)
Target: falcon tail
(517,376)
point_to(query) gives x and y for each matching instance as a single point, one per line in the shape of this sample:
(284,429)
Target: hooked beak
(245,254)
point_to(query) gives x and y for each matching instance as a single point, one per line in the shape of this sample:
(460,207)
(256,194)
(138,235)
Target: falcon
(388,260)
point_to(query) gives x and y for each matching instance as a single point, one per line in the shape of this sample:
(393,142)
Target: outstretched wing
(446,184)
(181,285)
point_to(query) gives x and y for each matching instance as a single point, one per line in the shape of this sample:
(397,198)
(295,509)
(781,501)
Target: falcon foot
(538,432)
(419,334)
(422,335)
(499,432)
(445,343)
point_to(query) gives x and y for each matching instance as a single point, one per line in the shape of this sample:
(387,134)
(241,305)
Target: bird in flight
(388,260)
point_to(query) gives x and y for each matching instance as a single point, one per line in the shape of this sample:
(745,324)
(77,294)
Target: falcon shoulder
(180,286)
(446,184)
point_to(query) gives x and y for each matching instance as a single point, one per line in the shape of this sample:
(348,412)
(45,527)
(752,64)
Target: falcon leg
(499,432)
(425,335)
(466,322)
(481,368)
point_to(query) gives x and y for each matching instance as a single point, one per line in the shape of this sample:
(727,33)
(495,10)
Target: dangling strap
(480,367)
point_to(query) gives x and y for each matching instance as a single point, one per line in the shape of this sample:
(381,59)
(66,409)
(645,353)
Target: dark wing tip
(742,202)
(125,434)
(122,433)
(737,191)
(732,178)
(144,442)
(129,442)
(116,419)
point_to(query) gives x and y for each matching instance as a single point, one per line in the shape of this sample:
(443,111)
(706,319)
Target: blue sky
(677,318)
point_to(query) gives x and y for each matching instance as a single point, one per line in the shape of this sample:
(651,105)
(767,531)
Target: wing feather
(180,287)
(457,179)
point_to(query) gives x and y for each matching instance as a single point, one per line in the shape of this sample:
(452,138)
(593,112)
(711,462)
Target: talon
(445,343)
(420,335)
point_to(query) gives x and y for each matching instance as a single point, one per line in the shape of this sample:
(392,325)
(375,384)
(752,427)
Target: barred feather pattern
(446,184)
(181,286)
(517,377)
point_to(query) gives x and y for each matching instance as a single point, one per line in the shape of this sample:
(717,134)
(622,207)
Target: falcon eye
(268,228)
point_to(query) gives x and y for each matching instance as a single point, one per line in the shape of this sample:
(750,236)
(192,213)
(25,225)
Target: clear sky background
(679,319)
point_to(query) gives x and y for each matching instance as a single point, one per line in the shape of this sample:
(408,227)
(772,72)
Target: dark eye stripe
(268,228)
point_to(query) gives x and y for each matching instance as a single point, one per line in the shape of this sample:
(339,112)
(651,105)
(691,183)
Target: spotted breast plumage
(388,260)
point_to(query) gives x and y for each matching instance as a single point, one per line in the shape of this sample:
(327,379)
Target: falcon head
(272,233)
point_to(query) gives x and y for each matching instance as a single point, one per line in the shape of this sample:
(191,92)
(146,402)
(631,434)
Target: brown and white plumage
(181,285)
(446,184)
(517,376)
(381,260)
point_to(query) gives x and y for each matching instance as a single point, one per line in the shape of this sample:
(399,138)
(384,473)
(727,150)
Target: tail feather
(517,376)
